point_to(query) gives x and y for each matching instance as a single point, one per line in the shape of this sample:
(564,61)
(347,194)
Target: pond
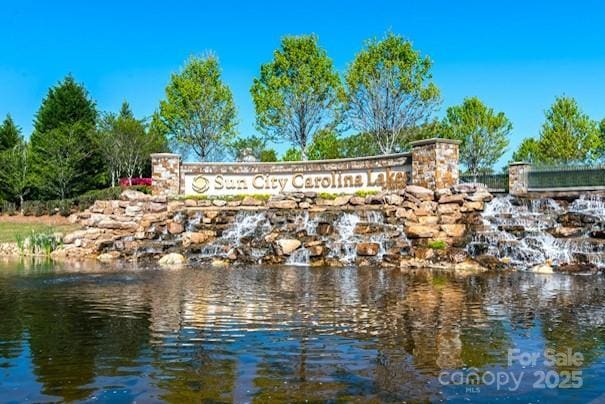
(82,332)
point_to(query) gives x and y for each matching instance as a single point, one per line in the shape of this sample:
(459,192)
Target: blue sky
(515,55)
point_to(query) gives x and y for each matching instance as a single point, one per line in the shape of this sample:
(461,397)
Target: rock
(393,199)
(564,231)
(281,204)
(316,250)
(515,229)
(403,213)
(251,201)
(357,200)
(480,196)
(442,192)
(157,207)
(133,210)
(427,220)
(577,269)
(576,219)
(367,249)
(490,262)
(448,208)
(304,205)
(234,204)
(377,199)
(424,253)
(420,231)
(109,256)
(117,225)
(424,194)
(287,245)
(545,268)
(324,229)
(469,266)
(341,200)
(450,219)
(172,259)
(134,196)
(219,202)
(470,206)
(456,255)
(598,234)
(458,198)
(199,237)
(454,230)
(190,203)
(175,228)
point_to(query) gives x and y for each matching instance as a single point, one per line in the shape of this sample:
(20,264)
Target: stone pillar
(435,163)
(518,179)
(165,174)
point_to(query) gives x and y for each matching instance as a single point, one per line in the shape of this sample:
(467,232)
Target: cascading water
(525,233)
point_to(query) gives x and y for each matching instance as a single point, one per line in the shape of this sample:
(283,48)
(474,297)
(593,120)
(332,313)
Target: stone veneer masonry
(434,165)
(518,178)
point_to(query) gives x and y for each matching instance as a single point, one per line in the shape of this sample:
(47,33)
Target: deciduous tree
(389,91)
(297,93)
(484,133)
(198,112)
(15,175)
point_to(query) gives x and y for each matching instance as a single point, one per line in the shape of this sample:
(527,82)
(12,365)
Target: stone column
(435,163)
(165,174)
(518,181)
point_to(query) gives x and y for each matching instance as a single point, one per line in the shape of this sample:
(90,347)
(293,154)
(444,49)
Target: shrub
(125,182)
(38,243)
(326,195)
(7,208)
(364,193)
(437,244)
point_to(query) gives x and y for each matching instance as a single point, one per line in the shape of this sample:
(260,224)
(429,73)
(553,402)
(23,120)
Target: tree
(528,151)
(198,112)
(389,91)
(67,108)
(64,154)
(268,156)
(10,134)
(326,145)
(126,143)
(253,144)
(296,94)
(483,133)
(568,135)
(292,154)
(15,176)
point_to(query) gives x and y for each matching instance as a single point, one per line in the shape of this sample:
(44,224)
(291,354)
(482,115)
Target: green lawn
(9,230)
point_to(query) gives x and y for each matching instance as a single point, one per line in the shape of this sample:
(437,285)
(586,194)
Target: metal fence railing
(493,182)
(566,177)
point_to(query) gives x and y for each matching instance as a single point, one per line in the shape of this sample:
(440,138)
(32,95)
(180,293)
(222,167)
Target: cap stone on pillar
(165,174)
(435,163)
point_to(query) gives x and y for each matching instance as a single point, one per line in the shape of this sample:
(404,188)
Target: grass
(228,198)
(11,231)
(437,244)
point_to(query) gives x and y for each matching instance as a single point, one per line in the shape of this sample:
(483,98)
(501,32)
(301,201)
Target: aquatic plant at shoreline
(38,243)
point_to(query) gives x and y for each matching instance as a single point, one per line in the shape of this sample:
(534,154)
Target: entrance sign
(342,176)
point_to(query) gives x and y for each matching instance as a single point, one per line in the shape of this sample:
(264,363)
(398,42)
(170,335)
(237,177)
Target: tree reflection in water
(277,333)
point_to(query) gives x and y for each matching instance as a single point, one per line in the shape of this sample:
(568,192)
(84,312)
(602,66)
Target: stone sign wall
(433,163)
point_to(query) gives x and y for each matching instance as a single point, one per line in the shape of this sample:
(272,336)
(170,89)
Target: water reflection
(285,333)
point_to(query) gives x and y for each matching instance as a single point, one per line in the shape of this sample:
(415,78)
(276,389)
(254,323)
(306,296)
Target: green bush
(363,193)
(38,243)
(437,244)
(7,208)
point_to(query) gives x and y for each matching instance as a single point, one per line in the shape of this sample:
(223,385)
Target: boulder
(480,196)
(367,249)
(199,237)
(420,231)
(109,256)
(133,210)
(324,229)
(457,198)
(421,193)
(357,200)
(545,268)
(282,204)
(576,219)
(393,199)
(190,203)
(454,230)
(564,231)
(251,201)
(428,220)
(287,246)
(172,259)
(134,196)
(219,202)
(448,208)
(316,250)
(175,228)
(341,200)
(117,225)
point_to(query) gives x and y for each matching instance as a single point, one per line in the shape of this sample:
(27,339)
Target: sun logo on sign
(200,184)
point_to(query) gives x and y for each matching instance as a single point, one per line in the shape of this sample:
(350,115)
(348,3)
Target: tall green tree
(326,145)
(389,91)
(67,108)
(484,133)
(297,93)
(10,134)
(528,151)
(568,135)
(255,145)
(198,112)
(126,143)
(16,175)
(64,156)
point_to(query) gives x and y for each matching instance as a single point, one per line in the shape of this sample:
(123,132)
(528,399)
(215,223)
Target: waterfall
(522,232)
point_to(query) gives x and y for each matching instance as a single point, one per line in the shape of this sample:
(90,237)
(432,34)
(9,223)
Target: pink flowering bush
(125,182)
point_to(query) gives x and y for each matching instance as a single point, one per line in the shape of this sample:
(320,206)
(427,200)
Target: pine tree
(10,134)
